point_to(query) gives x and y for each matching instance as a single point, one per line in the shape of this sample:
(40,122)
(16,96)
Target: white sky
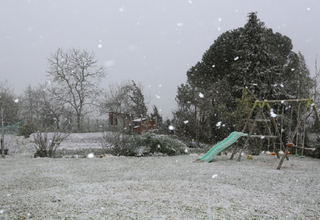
(149,41)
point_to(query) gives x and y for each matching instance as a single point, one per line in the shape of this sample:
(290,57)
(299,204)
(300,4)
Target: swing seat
(282,153)
(310,149)
(270,153)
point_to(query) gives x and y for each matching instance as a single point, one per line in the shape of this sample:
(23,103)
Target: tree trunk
(79,123)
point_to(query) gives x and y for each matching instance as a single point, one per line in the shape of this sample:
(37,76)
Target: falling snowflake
(91,155)
(158,96)
(186,122)
(171,128)
(236,58)
(201,95)
(272,114)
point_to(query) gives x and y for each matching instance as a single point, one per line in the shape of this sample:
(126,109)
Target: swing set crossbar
(260,120)
(283,101)
(263,136)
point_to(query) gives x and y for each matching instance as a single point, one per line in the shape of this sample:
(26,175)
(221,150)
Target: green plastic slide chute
(233,137)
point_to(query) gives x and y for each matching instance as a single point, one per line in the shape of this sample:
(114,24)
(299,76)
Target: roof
(139,119)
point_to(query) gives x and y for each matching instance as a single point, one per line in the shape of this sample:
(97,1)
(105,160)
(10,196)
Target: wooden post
(243,131)
(269,131)
(250,132)
(292,137)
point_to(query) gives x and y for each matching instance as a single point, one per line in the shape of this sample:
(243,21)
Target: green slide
(233,137)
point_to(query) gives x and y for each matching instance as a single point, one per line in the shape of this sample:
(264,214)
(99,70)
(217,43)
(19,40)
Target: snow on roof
(139,119)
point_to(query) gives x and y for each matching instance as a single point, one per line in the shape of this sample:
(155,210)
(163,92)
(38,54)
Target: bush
(118,144)
(26,130)
(161,143)
(140,145)
(46,143)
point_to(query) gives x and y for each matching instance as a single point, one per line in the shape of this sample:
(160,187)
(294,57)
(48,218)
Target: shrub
(160,143)
(144,144)
(118,144)
(26,130)
(46,143)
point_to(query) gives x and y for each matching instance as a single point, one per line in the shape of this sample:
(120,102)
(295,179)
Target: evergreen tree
(138,104)
(261,55)
(297,81)
(155,115)
(251,57)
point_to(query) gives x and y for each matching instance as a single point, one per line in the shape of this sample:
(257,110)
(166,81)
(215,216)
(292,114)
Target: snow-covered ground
(158,188)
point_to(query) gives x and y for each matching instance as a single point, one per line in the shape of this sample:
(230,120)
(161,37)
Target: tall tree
(260,57)
(251,57)
(8,109)
(138,103)
(155,115)
(124,98)
(75,77)
(297,81)
(39,107)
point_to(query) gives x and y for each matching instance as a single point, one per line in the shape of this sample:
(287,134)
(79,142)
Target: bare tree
(8,108)
(39,107)
(116,99)
(125,98)
(75,77)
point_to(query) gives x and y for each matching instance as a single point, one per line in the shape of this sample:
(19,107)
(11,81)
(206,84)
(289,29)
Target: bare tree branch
(76,77)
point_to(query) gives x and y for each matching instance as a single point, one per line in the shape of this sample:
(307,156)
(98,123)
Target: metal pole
(2,134)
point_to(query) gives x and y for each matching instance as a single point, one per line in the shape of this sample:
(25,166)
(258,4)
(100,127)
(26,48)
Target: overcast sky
(149,41)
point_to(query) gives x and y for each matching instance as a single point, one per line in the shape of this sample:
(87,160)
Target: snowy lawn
(158,188)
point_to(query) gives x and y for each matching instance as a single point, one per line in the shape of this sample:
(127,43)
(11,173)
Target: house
(143,124)
(120,119)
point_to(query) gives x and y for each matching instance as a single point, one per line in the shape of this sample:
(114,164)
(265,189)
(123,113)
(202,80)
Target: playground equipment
(260,116)
(233,137)
(264,113)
